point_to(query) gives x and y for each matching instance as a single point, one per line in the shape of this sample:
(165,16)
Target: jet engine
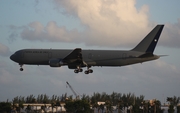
(55,63)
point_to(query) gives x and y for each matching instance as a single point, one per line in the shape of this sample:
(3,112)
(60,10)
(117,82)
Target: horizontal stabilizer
(162,55)
(146,55)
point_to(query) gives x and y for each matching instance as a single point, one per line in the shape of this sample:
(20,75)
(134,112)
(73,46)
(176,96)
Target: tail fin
(148,44)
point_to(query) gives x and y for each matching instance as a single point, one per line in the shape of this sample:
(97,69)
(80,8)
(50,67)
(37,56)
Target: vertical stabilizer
(148,44)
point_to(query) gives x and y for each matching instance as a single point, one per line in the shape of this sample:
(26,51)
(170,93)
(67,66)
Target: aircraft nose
(12,57)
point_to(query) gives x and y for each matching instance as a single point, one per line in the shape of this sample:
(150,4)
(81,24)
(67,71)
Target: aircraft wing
(74,57)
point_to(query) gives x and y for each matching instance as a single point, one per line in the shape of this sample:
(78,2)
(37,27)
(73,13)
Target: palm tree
(58,104)
(120,106)
(108,106)
(176,100)
(171,109)
(21,106)
(5,107)
(101,107)
(52,106)
(173,102)
(28,109)
(169,99)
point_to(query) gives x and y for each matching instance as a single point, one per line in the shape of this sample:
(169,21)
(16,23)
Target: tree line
(136,104)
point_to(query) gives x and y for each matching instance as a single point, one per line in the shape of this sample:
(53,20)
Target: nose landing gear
(21,69)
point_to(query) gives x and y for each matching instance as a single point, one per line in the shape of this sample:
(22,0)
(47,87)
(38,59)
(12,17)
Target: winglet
(148,44)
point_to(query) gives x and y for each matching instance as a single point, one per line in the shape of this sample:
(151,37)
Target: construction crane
(77,96)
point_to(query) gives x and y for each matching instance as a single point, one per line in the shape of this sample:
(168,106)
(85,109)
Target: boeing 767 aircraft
(77,59)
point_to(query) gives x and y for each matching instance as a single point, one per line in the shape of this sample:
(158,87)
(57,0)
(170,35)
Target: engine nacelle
(55,63)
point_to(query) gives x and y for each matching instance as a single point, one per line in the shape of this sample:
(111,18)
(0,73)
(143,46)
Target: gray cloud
(4,50)
(14,32)
(12,37)
(171,35)
(36,2)
(117,23)
(107,24)
(51,32)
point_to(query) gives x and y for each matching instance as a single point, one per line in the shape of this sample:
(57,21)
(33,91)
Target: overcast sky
(89,24)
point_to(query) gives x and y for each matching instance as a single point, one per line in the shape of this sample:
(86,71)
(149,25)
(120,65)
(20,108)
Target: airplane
(77,59)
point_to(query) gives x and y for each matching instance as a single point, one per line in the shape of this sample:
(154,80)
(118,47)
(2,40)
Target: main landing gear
(88,71)
(78,69)
(21,69)
(81,70)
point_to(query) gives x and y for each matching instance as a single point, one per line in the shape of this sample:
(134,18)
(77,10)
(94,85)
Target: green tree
(69,106)
(58,104)
(5,107)
(20,106)
(108,106)
(173,101)
(101,107)
(52,106)
(157,108)
(18,103)
(46,99)
(178,109)
(77,106)
(28,109)
(43,108)
(136,108)
(120,106)
(171,109)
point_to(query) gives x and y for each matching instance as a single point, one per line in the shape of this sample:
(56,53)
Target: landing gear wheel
(80,70)
(90,71)
(21,69)
(86,72)
(76,71)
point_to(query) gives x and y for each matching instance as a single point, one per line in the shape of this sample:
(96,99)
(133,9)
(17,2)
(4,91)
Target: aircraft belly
(36,60)
(39,62)
(111,63)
